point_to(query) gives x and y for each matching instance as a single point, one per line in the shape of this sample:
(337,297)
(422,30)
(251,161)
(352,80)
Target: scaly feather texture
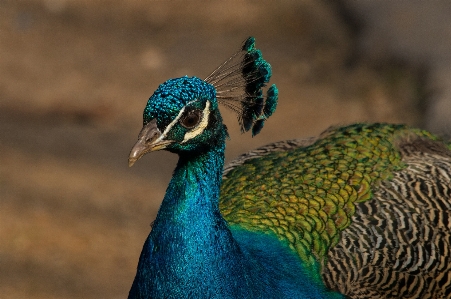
(361,211)
(370,203)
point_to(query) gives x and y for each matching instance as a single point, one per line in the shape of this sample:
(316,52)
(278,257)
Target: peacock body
(361,211)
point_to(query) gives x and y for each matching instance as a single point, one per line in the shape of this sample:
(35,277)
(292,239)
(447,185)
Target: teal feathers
(239,83)
(175,94)
(360,212)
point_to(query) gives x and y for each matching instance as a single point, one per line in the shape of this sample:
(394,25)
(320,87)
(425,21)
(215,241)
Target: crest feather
(239,82)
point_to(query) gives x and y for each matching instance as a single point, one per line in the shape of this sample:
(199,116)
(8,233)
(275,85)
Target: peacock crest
(239,82)
(360,211)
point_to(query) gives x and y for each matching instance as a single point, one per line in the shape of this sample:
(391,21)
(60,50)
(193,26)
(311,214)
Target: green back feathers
(307,195)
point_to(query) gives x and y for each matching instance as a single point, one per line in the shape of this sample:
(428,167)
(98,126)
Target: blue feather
(363,210)
(271,101)
(191,251)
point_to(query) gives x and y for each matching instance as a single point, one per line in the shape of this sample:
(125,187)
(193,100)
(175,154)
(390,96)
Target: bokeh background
(76,74)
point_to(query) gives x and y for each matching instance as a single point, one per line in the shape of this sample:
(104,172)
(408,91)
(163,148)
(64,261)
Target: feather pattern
(355,200)
(406,249)
(239,82)
(361,211)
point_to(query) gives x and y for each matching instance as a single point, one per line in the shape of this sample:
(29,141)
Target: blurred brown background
(75,76)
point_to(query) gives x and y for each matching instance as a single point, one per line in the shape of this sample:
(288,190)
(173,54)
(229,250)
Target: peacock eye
(191,119)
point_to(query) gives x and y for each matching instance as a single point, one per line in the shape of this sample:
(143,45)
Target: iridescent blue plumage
(362,210)
(173,95)
(191,251)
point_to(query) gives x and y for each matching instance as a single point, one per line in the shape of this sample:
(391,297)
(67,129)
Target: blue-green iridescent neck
(190,244)
(191,251)
(173,95)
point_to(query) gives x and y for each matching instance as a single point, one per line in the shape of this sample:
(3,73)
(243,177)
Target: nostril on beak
(146,138)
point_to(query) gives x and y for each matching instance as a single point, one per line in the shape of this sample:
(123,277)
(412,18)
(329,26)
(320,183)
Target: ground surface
(74,78)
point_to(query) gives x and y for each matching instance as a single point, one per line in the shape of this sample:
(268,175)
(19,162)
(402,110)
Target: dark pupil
(191,119)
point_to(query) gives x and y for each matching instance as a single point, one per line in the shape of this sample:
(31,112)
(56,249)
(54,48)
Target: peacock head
(183,115)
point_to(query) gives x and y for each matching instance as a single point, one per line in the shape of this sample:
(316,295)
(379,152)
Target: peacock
(361,211)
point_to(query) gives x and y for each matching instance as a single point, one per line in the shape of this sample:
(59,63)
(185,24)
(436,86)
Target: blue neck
(191,200)
(192,253)
(190,249)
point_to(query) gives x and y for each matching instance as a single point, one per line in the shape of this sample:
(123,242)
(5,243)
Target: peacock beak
(149,140)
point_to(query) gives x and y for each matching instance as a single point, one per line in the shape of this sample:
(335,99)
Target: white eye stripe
(169,127)
(201,126)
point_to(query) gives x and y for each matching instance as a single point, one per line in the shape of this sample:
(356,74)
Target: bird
(360,211)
